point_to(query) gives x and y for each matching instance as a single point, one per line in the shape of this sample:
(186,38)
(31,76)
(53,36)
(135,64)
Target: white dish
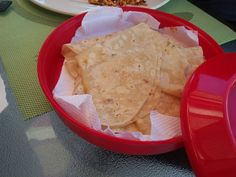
(74,7)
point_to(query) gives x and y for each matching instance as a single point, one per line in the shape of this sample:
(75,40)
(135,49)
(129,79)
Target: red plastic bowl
(50,63)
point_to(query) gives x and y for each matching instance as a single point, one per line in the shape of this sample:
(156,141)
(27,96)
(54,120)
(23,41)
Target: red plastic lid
(209,117)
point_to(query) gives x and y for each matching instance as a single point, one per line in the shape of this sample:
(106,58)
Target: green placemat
(24,27)
(184,9)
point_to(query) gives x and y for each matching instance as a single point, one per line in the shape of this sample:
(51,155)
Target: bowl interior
(49,66)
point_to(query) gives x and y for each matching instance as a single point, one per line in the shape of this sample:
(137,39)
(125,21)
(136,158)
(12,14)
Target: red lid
(209,117)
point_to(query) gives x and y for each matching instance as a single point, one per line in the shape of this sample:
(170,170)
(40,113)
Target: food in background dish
(117,2)
(130,73)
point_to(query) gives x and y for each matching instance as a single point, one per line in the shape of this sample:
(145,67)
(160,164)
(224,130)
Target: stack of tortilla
(131,73)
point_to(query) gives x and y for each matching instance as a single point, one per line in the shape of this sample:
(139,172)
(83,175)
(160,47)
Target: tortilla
(72,67)
(70,51)
(129,128)
(131,45)
(119,96)
(127,42)
(131,73)
(177,65)
(167,105)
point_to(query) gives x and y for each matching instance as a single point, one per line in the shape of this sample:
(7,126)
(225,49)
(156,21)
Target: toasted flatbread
(130,73)
(119,96)
(167,105)
(177,65)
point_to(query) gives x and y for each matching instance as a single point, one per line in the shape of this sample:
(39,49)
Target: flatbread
(91,52)
(130,44)
(176,67)
(127,42)
(130,73)
(70,51)
(119,96)
(144,125)
(167,105)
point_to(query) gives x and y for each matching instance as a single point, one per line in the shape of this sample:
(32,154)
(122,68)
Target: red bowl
(50,63)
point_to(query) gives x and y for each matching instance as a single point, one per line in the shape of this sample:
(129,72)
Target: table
(45,147)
